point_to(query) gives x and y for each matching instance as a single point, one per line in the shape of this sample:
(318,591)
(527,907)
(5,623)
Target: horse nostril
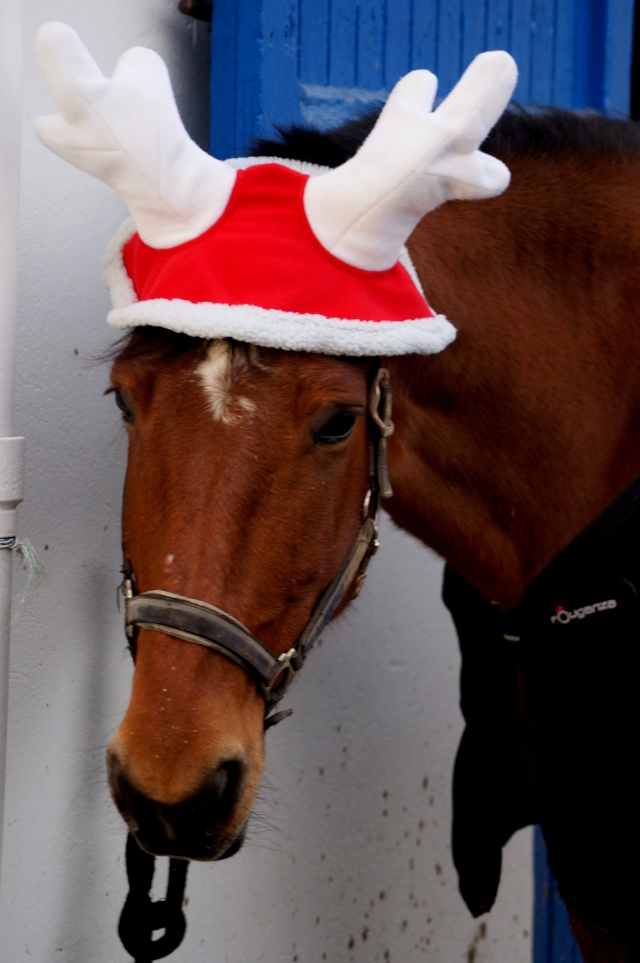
(220,779)
(221,789)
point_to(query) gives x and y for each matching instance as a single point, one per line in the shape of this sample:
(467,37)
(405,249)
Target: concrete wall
(348,856)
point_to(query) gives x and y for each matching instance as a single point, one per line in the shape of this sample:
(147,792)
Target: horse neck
(510,442)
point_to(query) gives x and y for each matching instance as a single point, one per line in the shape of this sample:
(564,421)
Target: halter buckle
(127,592)
(380,403)
(286,670)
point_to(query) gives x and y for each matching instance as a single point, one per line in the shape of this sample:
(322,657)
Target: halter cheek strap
(205,624)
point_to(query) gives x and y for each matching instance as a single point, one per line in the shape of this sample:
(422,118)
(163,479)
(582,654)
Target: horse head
(246,482)
(260,299)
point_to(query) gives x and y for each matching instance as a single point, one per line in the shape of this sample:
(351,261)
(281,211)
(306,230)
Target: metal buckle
(286,662)
(127,591)
(286,670)
(380,403)
(379,406)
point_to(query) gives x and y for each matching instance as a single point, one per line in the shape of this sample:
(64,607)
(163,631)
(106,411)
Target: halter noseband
(205,624)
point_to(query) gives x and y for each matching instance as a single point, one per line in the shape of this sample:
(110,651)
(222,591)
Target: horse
(252,471)
(248,467)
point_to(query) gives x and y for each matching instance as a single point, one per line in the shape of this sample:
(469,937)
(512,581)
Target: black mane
(328,148)
(519,132)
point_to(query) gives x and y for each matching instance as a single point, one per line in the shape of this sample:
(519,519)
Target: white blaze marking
(216,374)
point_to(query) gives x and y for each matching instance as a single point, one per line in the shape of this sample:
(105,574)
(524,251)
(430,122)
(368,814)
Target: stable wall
(348,855)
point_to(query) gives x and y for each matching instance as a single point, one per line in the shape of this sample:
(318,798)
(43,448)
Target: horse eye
(127,415)
(337,429)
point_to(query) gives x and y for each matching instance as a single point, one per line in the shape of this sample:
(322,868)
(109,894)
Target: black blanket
(549,696)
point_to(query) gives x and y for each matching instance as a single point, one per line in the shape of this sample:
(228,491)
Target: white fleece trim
(288,331)
(114,273)
(303,167)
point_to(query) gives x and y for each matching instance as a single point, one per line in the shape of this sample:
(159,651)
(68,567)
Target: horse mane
(529,132)
(328,148)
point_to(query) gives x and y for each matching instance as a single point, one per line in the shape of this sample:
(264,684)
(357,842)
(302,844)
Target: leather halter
(205,624)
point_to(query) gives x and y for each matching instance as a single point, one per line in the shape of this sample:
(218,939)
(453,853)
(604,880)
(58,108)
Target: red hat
(302,261)
(259,274)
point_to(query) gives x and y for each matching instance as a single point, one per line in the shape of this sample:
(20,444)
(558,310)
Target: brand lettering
(563,616)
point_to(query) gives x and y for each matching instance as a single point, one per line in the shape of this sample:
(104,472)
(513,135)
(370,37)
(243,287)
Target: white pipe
(11,448)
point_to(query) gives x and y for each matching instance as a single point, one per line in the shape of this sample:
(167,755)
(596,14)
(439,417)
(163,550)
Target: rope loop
(141,917)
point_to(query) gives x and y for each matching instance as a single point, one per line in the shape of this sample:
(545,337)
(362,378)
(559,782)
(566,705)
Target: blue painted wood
(314,41)
(589,54)
(542,27)
(564,66)
(397,42)
(515,34)
(553,941)
(618,52)
(280,61)
(343,33)
(235,75)
(370,44)
(280,66)
(424,37)
(474,34)
(254,71)
(284,61)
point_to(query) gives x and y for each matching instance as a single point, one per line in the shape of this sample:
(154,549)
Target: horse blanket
(549,697)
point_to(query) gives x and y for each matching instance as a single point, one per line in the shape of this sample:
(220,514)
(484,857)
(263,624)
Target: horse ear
(126,130)
(412,161)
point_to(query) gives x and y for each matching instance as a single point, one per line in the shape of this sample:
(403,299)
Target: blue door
(284,61)
(319,61)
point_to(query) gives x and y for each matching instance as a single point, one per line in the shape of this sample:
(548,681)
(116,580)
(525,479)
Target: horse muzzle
(202,826)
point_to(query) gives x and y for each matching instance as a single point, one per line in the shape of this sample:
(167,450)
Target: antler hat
(303,259)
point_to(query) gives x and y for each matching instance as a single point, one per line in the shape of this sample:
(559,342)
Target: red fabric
(262,252)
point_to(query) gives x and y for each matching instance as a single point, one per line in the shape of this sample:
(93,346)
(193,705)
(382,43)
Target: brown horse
(248,469)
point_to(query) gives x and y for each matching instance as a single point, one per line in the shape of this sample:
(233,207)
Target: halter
(204,624)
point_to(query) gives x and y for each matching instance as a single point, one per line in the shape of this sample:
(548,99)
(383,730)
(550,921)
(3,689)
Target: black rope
(141,917)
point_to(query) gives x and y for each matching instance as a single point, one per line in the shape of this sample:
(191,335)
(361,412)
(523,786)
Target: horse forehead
(217,367)
(218,373)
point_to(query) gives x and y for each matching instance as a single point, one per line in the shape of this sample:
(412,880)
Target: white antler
(126,130)
(413,160)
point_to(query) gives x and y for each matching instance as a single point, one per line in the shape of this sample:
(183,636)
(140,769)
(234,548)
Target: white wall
(348,858)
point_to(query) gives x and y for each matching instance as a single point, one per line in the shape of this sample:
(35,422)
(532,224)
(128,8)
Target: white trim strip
(289,331)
